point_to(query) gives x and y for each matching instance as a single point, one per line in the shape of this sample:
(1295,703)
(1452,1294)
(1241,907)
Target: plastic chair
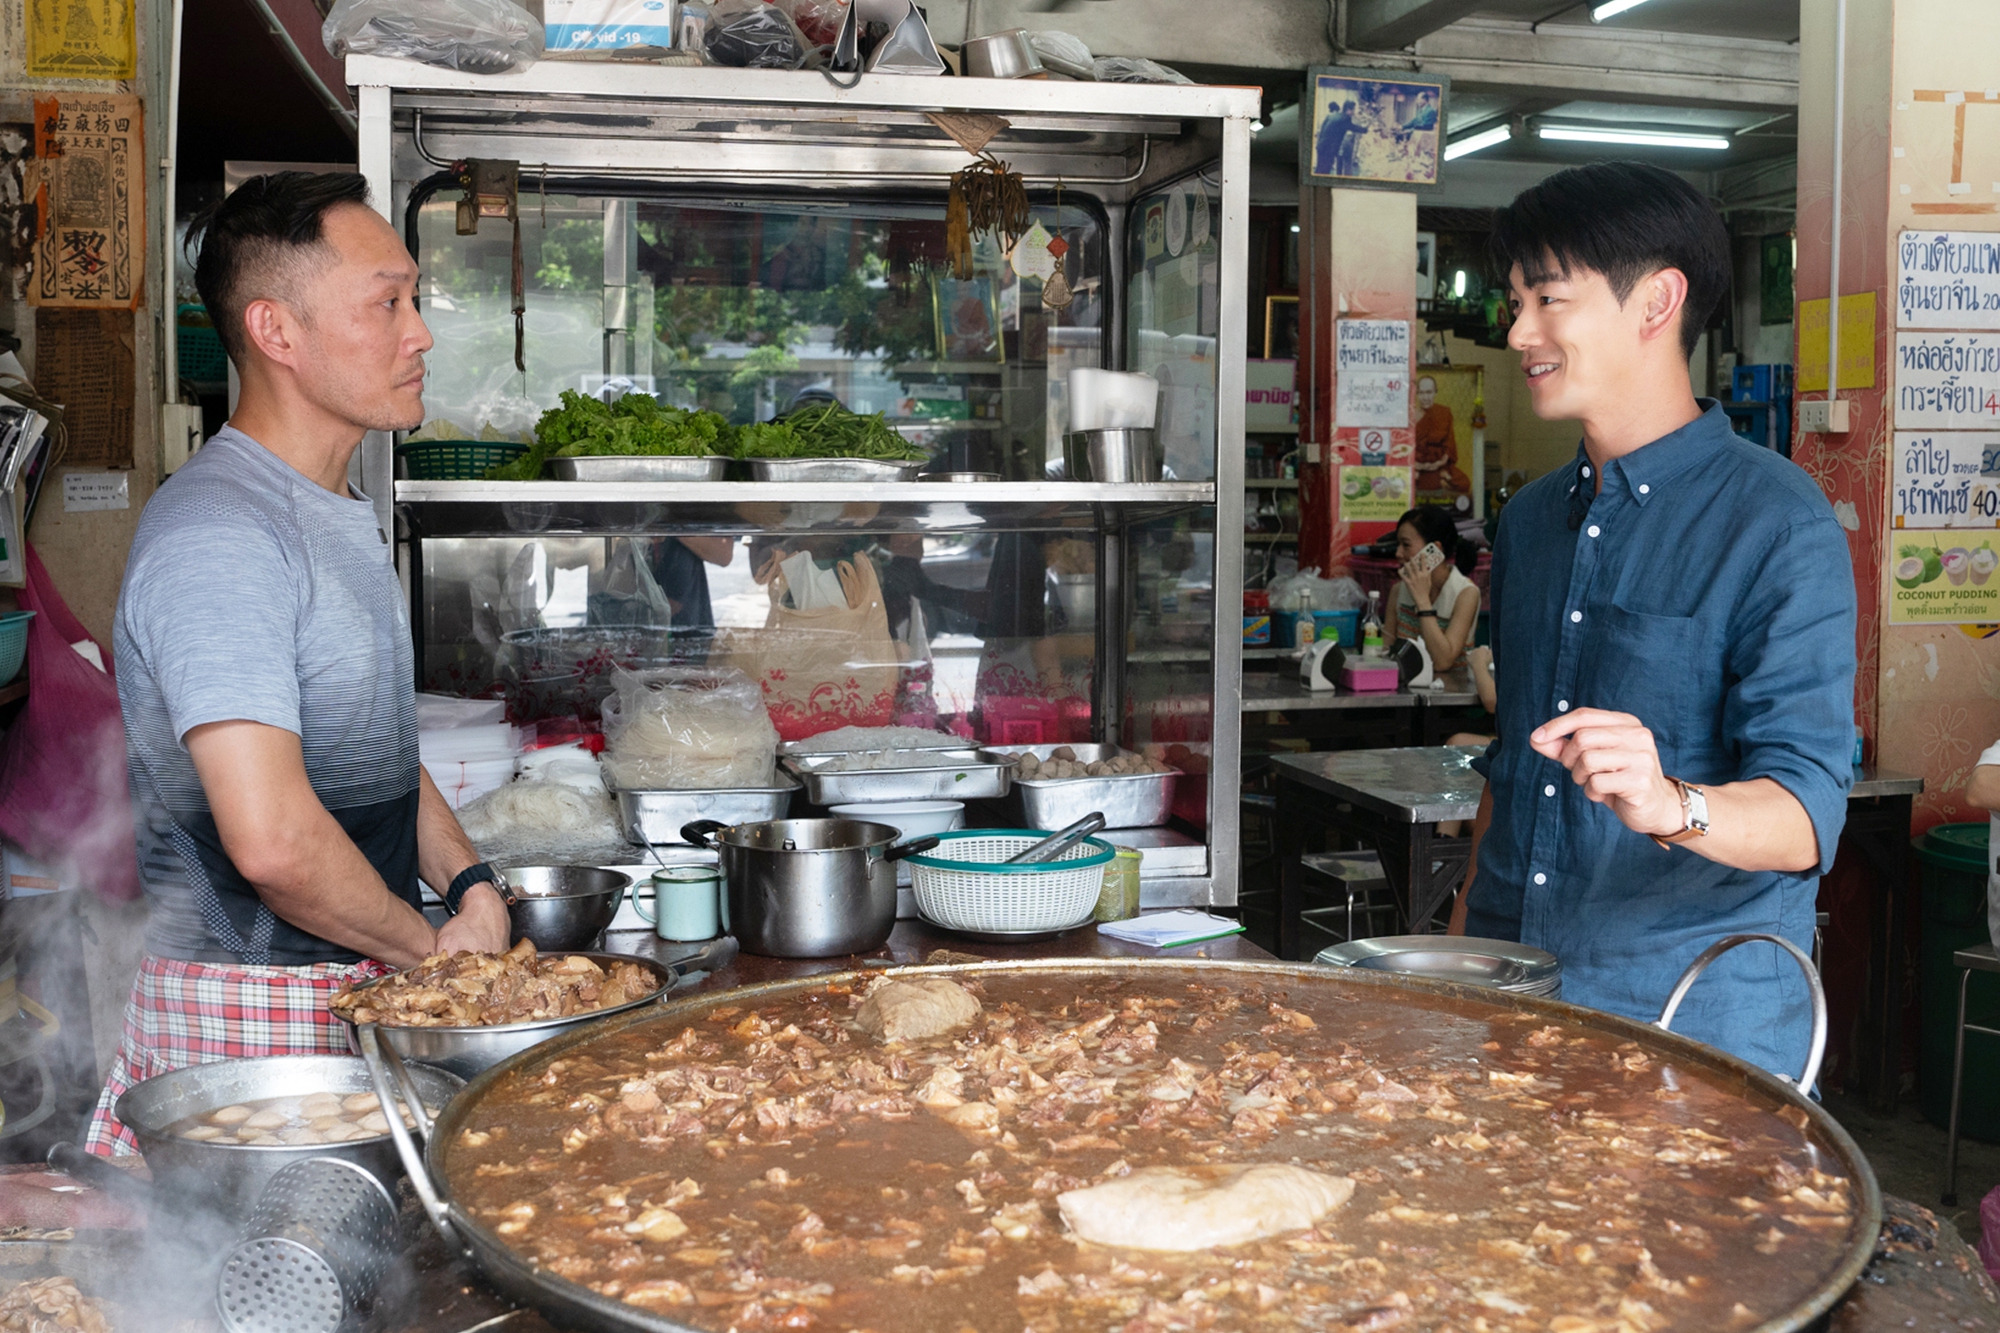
(1979,958)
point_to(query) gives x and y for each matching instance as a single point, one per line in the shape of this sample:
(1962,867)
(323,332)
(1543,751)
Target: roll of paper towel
(1112,400)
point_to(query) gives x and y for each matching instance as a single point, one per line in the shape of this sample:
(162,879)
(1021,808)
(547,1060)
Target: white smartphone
(1429,558)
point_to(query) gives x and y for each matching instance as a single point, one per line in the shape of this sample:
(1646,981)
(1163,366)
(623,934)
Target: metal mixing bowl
(562,908)
(228,1177)
(465,1051)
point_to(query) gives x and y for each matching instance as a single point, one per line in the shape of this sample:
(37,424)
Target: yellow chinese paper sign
(90,198)
(1944,576)
(1374,494)
(81,39)
(1857,343)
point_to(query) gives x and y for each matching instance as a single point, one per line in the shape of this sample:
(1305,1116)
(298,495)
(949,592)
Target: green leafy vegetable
(826,430)
(635,424)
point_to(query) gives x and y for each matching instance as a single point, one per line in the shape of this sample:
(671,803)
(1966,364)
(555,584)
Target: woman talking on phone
(1435,600)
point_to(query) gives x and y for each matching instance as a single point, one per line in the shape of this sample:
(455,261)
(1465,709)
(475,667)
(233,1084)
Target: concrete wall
(1938,686)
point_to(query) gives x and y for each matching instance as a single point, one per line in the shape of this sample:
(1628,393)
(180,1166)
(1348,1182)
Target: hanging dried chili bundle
(986,196)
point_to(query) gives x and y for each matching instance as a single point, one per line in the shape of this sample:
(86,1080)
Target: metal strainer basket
(318,1240)
(964,885)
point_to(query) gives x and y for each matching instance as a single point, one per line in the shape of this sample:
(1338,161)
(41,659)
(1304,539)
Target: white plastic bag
(1341,594)
(475,36)
(1063,54)
(676,728)
(1134,69)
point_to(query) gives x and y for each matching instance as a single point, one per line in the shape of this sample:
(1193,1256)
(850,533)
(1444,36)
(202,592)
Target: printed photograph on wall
(1371,127)
(1442,458)
(968,319)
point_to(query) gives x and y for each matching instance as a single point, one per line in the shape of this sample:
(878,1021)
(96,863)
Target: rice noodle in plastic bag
(675,728)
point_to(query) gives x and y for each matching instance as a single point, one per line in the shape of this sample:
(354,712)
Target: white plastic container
(1112,400)
(915,819)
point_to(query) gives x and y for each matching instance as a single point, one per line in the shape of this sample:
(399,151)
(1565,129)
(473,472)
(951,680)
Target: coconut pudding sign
(1945,504)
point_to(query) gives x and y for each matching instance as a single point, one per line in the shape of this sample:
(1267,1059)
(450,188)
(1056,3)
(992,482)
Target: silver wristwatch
(1694,814)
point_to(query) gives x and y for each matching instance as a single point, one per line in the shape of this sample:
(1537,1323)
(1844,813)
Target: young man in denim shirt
(1676,610)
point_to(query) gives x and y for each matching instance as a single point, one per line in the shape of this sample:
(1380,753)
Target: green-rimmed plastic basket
(963,885)
(456,460)
(13,643)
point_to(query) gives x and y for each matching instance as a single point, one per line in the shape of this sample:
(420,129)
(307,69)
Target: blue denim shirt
(1706,589)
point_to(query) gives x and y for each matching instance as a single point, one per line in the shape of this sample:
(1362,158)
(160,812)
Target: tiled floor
(1907,1152)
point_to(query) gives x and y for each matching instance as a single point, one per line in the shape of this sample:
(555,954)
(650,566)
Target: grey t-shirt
(254,594)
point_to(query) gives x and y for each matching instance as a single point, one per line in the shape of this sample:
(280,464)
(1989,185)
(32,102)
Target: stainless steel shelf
(513,508)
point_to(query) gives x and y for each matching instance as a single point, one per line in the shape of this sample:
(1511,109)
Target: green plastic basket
(202,359)
(456,460)
(13,643)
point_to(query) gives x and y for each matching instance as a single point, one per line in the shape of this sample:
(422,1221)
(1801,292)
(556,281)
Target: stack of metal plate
(1499,964)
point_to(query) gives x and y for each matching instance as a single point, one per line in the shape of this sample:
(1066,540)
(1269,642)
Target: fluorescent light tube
(1472,143)
(1612,8)
(1639,138)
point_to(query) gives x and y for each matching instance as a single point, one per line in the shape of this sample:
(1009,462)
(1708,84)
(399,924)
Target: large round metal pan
(572,1305)
(465,1051)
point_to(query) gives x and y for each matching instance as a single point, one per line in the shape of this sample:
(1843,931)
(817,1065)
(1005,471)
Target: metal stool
(1363,907)
(1979,958)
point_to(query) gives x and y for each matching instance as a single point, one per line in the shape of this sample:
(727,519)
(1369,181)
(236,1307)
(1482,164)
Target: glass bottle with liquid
(1371,627)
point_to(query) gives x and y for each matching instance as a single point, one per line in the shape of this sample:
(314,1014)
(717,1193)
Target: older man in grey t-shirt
(264,663)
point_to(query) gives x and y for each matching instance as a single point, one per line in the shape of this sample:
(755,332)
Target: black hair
(1621,219)
(1434,524)
(263,223)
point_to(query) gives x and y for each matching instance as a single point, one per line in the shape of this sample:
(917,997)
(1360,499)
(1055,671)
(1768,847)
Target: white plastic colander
(964,885)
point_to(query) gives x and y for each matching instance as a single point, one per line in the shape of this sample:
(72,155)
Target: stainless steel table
(1390,799)
(1416,716)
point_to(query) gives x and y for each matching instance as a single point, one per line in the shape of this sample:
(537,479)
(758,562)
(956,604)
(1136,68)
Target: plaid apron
(183,1014)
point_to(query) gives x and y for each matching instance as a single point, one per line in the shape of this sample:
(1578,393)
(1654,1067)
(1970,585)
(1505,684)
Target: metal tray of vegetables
(639,467)
(826,442)
(900,775)
(832,469)
(1052,792)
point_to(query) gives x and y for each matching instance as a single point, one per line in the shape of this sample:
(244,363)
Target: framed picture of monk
(1445,464)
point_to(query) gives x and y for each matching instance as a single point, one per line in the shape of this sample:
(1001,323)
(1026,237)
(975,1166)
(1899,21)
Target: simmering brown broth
(769,1165)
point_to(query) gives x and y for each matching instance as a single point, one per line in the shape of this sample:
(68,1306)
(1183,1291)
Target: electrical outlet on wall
(180,434)
(1817,416)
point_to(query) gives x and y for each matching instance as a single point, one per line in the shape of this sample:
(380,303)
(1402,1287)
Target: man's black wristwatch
(454,897)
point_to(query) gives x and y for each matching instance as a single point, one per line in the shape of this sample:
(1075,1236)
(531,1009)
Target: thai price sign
(1947,381)
(1948,280)
(1945,479)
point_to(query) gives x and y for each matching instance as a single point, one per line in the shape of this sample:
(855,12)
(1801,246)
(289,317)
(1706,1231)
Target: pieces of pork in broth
(1198,1208)
(913,1008)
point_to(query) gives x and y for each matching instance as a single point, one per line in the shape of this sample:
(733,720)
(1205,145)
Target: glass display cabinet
(747,241)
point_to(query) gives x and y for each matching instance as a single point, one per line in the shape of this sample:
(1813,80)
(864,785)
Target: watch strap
(481,873)
(1691,826)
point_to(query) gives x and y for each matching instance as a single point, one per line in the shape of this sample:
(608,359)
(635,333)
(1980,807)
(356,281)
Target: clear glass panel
(1173,312)
(1169,675)
(745,308)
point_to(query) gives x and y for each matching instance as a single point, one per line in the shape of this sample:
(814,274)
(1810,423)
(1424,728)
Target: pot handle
(1723,946)
(697,832)
(381,1058)
(901,850)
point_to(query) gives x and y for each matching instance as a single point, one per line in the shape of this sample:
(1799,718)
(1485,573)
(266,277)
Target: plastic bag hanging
(473,36)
